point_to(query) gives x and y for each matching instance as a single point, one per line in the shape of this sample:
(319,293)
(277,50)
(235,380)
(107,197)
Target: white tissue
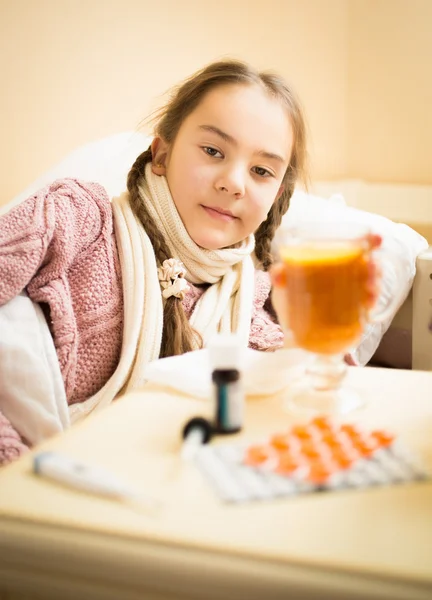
(264,373)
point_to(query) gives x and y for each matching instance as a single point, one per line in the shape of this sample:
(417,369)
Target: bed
(406,340)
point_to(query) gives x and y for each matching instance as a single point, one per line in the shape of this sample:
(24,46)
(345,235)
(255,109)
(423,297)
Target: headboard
(403,203)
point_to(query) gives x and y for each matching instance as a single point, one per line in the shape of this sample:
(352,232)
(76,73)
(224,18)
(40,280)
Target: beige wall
(76,70)
(390,91)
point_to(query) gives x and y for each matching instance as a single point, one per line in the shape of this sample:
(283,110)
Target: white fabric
(225,307)
(32,394)
(263,373)
(106,161)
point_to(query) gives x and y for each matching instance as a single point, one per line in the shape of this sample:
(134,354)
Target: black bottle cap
(199,423)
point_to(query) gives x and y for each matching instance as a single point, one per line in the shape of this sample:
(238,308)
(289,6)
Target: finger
(278,275)
(373,281)
(349,359)
(374,241)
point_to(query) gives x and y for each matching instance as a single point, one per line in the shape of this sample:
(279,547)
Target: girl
(180,255)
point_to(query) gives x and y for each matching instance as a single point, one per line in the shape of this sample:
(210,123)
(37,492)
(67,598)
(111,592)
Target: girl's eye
(262,172)
(212,151)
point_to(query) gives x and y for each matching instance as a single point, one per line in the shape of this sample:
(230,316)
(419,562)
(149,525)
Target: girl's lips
(215,214)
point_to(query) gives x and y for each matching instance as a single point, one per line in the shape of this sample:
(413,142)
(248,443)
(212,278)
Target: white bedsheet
(32,394)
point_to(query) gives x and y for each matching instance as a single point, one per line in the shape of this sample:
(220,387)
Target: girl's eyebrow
(225,136)
(230,140)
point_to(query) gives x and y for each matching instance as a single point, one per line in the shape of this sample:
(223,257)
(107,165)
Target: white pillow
(106,161)
(398,238)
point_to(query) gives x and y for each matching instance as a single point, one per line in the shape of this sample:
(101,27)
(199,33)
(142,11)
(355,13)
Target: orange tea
(327,293)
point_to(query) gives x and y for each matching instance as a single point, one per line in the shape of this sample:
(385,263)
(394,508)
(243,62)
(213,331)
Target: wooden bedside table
(375,543)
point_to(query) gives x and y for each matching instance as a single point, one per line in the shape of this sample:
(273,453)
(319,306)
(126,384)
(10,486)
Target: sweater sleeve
(265,334)
(25,234)
(11,444)
(49,227)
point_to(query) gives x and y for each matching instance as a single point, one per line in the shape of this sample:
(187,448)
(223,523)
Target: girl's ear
(159,148)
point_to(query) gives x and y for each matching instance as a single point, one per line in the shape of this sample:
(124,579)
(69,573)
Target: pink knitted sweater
(59,245)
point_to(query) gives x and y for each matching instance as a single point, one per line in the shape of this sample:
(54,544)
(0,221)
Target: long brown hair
(178,336)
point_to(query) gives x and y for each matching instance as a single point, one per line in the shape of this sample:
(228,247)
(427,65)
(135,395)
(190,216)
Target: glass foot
(338,401)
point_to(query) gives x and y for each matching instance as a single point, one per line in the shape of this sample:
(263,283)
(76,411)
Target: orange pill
(331,439)
(319,473)
(287,464)
(351,430)
(346,454)
(312,450)
(343,460)
(258,455)
(286,444)
(338,442)
(384,438)
(281,441)
(366,446)
(302,432)
(348,439)
(322,423)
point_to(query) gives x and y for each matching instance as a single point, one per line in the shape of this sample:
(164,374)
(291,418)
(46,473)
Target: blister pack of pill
(318,456)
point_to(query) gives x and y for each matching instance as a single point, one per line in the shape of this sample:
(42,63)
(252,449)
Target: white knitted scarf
(226,306)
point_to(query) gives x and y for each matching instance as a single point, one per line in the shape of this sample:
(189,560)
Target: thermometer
(79,475)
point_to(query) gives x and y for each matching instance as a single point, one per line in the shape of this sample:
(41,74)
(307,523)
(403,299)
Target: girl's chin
(213,242)
(225,246)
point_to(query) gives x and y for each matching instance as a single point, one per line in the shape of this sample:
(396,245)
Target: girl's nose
(232,181)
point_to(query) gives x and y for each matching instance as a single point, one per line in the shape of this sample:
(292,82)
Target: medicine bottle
(228,394)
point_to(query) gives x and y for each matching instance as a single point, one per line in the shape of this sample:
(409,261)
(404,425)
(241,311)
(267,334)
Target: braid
(136,173)
(266,231)
(178,336)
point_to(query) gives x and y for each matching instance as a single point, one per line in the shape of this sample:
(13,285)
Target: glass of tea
(331,281)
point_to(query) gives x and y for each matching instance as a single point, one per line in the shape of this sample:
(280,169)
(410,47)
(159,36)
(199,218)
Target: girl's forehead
(245,112)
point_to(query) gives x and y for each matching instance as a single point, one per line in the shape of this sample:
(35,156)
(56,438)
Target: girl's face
(226,164)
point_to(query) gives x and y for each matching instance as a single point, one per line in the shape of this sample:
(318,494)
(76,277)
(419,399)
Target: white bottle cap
(226,352)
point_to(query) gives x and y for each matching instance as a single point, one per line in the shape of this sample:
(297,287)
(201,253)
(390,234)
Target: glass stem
(326,372)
